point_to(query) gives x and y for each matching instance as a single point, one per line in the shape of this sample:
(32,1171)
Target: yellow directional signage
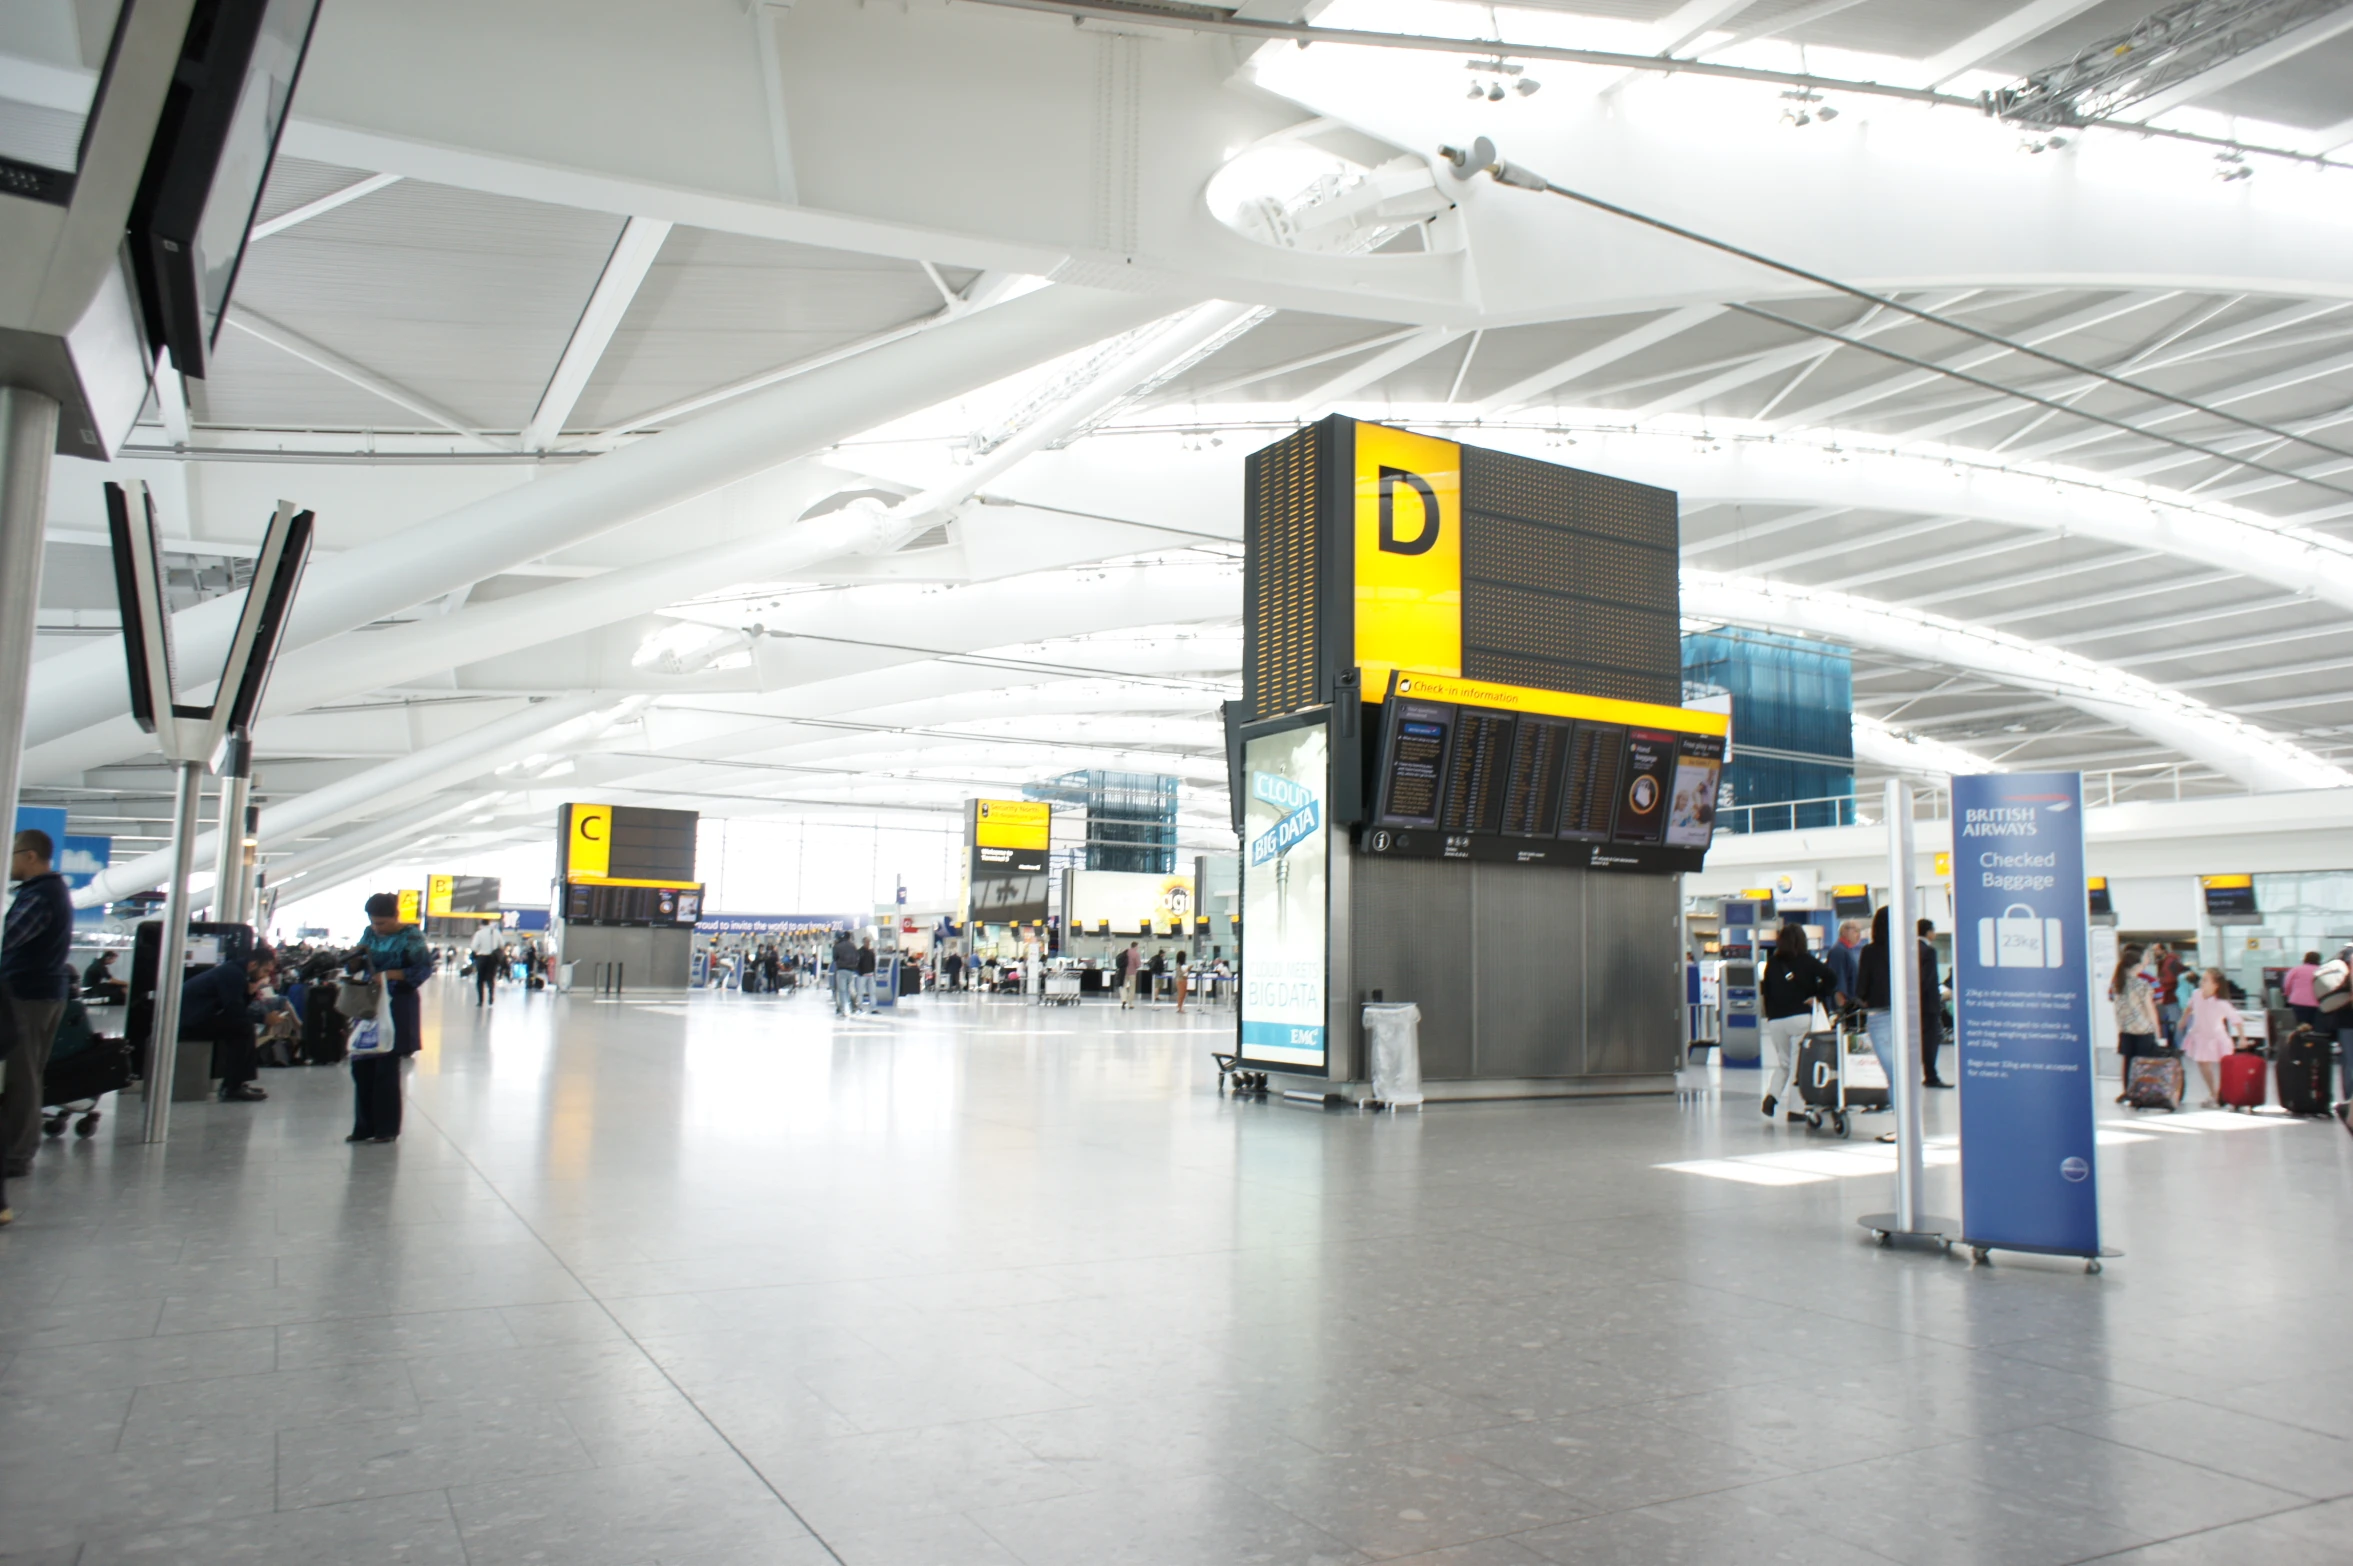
(588,842)
(410,902)
(1408,554)
(1012,823)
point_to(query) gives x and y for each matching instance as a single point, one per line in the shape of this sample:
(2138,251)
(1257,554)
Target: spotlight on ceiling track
(2232,165)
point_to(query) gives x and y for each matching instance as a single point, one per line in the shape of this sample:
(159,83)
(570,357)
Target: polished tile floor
(723,1281)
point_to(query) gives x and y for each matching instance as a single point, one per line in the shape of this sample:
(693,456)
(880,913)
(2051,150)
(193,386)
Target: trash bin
(1394,1031)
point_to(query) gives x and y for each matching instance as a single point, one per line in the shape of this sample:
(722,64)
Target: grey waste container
(1393,1030)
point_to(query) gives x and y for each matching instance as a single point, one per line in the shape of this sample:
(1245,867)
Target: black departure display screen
(1474,776)
(1412,770)
(1591,789)
(1477,782)
(1531,790)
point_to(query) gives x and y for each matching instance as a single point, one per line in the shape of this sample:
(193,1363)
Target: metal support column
(28,435)
(163,1040)
(1907,1222)
(232,882)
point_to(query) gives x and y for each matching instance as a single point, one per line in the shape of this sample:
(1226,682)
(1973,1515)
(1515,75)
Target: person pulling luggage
(1794,980)
(2210,1029)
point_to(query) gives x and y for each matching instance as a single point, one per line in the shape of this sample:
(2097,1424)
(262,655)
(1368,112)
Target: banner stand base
(1888,1228)
(1981,1252)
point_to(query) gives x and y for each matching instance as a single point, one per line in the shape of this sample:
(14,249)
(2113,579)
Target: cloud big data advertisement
(1286,871)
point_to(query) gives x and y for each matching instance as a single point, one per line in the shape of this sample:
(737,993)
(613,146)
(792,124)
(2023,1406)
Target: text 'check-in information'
(2023,1012)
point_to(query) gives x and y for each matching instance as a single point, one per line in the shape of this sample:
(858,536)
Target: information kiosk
(1461,776)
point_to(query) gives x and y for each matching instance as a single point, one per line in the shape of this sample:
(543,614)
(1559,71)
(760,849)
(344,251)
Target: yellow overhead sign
(410,902)
(1012,823)
(588,842)
(1557,704)
(2224,883)
(1408,554)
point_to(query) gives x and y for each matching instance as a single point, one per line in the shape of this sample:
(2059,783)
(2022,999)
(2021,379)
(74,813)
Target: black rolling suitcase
(324,1028)
(2301,1068)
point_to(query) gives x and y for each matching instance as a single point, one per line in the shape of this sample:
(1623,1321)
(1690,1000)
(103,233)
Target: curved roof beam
(2237,749)
(1726,464)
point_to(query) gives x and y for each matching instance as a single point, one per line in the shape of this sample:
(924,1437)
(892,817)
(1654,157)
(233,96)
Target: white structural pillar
(232,876)
(1908,1221)
(28,434)
(564,506)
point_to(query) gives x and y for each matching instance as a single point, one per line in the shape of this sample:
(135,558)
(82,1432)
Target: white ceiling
(903,167)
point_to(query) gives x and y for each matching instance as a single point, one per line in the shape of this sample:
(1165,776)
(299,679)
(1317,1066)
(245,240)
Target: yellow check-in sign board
(1408,555)
(588,842)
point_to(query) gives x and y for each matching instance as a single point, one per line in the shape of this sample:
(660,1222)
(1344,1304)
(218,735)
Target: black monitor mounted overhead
(218,133)
(120,240)
(192,733)
(184,731)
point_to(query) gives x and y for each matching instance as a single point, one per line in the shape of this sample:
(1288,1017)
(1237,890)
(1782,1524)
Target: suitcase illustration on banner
(2243,1080)
(2154,1081)
(2019,939)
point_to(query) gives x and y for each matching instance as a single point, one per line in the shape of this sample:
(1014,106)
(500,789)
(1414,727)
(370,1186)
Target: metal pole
(231,878)
(28,435)
(1903,978)
(163,1040)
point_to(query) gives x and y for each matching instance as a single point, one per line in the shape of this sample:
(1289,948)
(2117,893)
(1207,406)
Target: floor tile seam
(2225,1408)
(663,1371)
(2195,1533)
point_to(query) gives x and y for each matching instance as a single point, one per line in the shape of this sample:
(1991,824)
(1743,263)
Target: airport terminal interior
(918,782)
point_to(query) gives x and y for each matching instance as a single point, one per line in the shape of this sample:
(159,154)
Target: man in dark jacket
(214,1006)
(1871,972)
(866,967)
(845,972)
(1931,1009)
(34,980)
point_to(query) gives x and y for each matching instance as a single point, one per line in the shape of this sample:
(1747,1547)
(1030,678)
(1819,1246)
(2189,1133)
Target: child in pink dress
(2209,1025)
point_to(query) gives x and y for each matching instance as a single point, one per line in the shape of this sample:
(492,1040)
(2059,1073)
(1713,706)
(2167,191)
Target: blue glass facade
(1793,704)
(1131,817)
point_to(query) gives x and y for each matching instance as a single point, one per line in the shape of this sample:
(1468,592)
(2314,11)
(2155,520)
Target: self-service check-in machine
(1737,937)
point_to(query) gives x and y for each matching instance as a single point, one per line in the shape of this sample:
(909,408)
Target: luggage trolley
(1838,1075)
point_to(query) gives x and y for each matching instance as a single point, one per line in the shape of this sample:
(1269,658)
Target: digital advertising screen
(1286,879)
(1481,771)
(2096,898)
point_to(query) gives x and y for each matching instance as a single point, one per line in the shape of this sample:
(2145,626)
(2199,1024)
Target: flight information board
(1475,770)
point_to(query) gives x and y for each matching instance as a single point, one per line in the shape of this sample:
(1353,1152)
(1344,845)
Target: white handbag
(371,1036)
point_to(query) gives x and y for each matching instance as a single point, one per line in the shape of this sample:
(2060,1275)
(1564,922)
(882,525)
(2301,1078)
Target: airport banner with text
(2022,1007)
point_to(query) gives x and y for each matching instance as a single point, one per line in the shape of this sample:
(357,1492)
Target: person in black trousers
(396,956)
(1931,1008)
(214,1007)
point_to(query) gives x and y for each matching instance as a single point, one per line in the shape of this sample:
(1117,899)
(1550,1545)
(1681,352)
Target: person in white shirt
(489,941)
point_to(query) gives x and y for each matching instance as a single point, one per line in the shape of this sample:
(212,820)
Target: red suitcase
(2243,1080)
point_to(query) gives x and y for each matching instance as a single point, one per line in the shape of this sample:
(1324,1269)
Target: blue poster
(2022,1008)
(82,860)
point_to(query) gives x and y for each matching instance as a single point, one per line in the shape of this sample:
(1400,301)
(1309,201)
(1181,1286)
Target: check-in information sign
(2023,1012)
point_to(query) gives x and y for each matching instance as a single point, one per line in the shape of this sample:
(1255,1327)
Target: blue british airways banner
(2022,1008)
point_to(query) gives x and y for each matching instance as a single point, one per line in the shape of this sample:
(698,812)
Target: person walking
(2211,1028)
(35,978)
(2135,1002)
(489,949)
(1931,1007)
(1794,979)
(2295,987)
(952,971)
(1130,961)
(1179,967)
(1844,954)
(1877,998)
(845,972)
(1152,984)
(396,957)
(866,966)
(214,1009)
(2168,971)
